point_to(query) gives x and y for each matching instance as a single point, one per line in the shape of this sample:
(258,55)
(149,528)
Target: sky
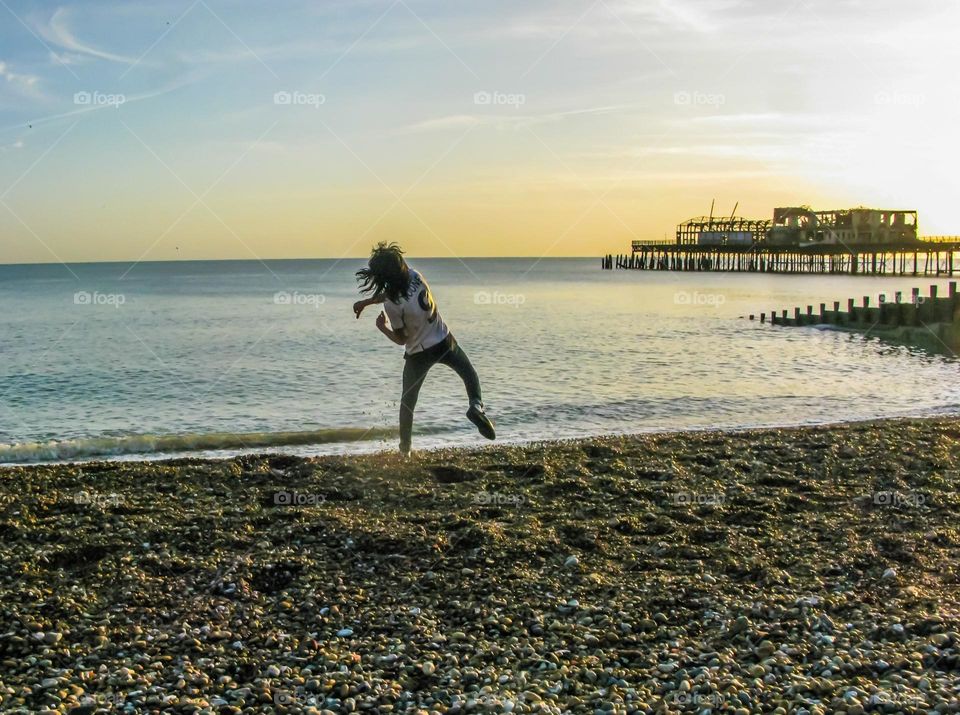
(213,129)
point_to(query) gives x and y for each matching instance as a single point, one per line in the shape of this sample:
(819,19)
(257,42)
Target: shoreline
(804,569)
(298,441)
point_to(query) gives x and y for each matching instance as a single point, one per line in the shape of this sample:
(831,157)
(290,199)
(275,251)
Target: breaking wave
(147,444)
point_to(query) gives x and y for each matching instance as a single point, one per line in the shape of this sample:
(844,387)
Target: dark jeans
(415,369)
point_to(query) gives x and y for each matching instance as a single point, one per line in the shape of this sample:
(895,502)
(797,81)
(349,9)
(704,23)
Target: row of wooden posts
(920,310)
(927,260)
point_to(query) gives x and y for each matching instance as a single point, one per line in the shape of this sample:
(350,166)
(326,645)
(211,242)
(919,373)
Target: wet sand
(809,570)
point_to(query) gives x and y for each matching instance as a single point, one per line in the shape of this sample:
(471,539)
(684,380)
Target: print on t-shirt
(417,315)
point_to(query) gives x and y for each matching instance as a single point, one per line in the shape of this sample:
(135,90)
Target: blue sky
(214,129)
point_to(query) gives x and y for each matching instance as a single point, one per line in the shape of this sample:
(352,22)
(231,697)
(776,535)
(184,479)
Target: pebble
(739,626)
(220,621)
(765,649)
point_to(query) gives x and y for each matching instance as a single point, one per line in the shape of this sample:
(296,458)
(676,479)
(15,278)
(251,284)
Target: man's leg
(457,359)
(415,368)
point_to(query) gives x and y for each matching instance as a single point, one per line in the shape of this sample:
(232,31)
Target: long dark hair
(386,272)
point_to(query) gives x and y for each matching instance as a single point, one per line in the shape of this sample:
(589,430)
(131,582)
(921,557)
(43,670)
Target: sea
(215,358)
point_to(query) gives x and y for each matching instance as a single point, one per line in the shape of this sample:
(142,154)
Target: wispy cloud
(127,99)
(13,146)
(675,14)
(500,121)
(58,32)
(67,58)
(23,82)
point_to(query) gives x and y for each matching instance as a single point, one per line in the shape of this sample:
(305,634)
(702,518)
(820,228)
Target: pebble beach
(805,570)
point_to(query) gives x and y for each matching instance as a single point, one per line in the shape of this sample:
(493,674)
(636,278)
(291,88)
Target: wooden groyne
(917,311)
(933,320)
(933,257)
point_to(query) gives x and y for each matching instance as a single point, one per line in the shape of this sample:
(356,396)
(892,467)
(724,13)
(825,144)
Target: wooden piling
(937,257)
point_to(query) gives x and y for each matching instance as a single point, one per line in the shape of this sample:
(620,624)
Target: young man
(416,324)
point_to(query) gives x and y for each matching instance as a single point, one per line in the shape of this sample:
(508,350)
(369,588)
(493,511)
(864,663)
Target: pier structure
(930,256)
(798,239)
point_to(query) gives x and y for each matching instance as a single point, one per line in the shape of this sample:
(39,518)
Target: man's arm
(396,336)
(361,304)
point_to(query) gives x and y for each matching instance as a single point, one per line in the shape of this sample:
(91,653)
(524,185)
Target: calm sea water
(221,357)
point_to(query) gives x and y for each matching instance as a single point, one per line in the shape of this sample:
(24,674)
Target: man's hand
(396,336)
(361,304)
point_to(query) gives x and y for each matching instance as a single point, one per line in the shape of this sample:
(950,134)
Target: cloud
(452,121)
(674,14)
(67,58)
(500,121)
(24,82)
(18,144)
(127,99)
(58,32)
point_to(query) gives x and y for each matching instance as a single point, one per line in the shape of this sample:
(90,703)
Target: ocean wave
(147,444)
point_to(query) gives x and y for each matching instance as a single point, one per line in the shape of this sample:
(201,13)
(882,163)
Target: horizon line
(264,260)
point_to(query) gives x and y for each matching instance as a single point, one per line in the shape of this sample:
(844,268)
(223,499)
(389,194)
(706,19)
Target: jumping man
(416,324)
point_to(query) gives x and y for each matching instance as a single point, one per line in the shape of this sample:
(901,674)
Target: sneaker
(484,424)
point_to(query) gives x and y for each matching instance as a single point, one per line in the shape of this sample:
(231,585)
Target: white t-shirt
(417,315)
